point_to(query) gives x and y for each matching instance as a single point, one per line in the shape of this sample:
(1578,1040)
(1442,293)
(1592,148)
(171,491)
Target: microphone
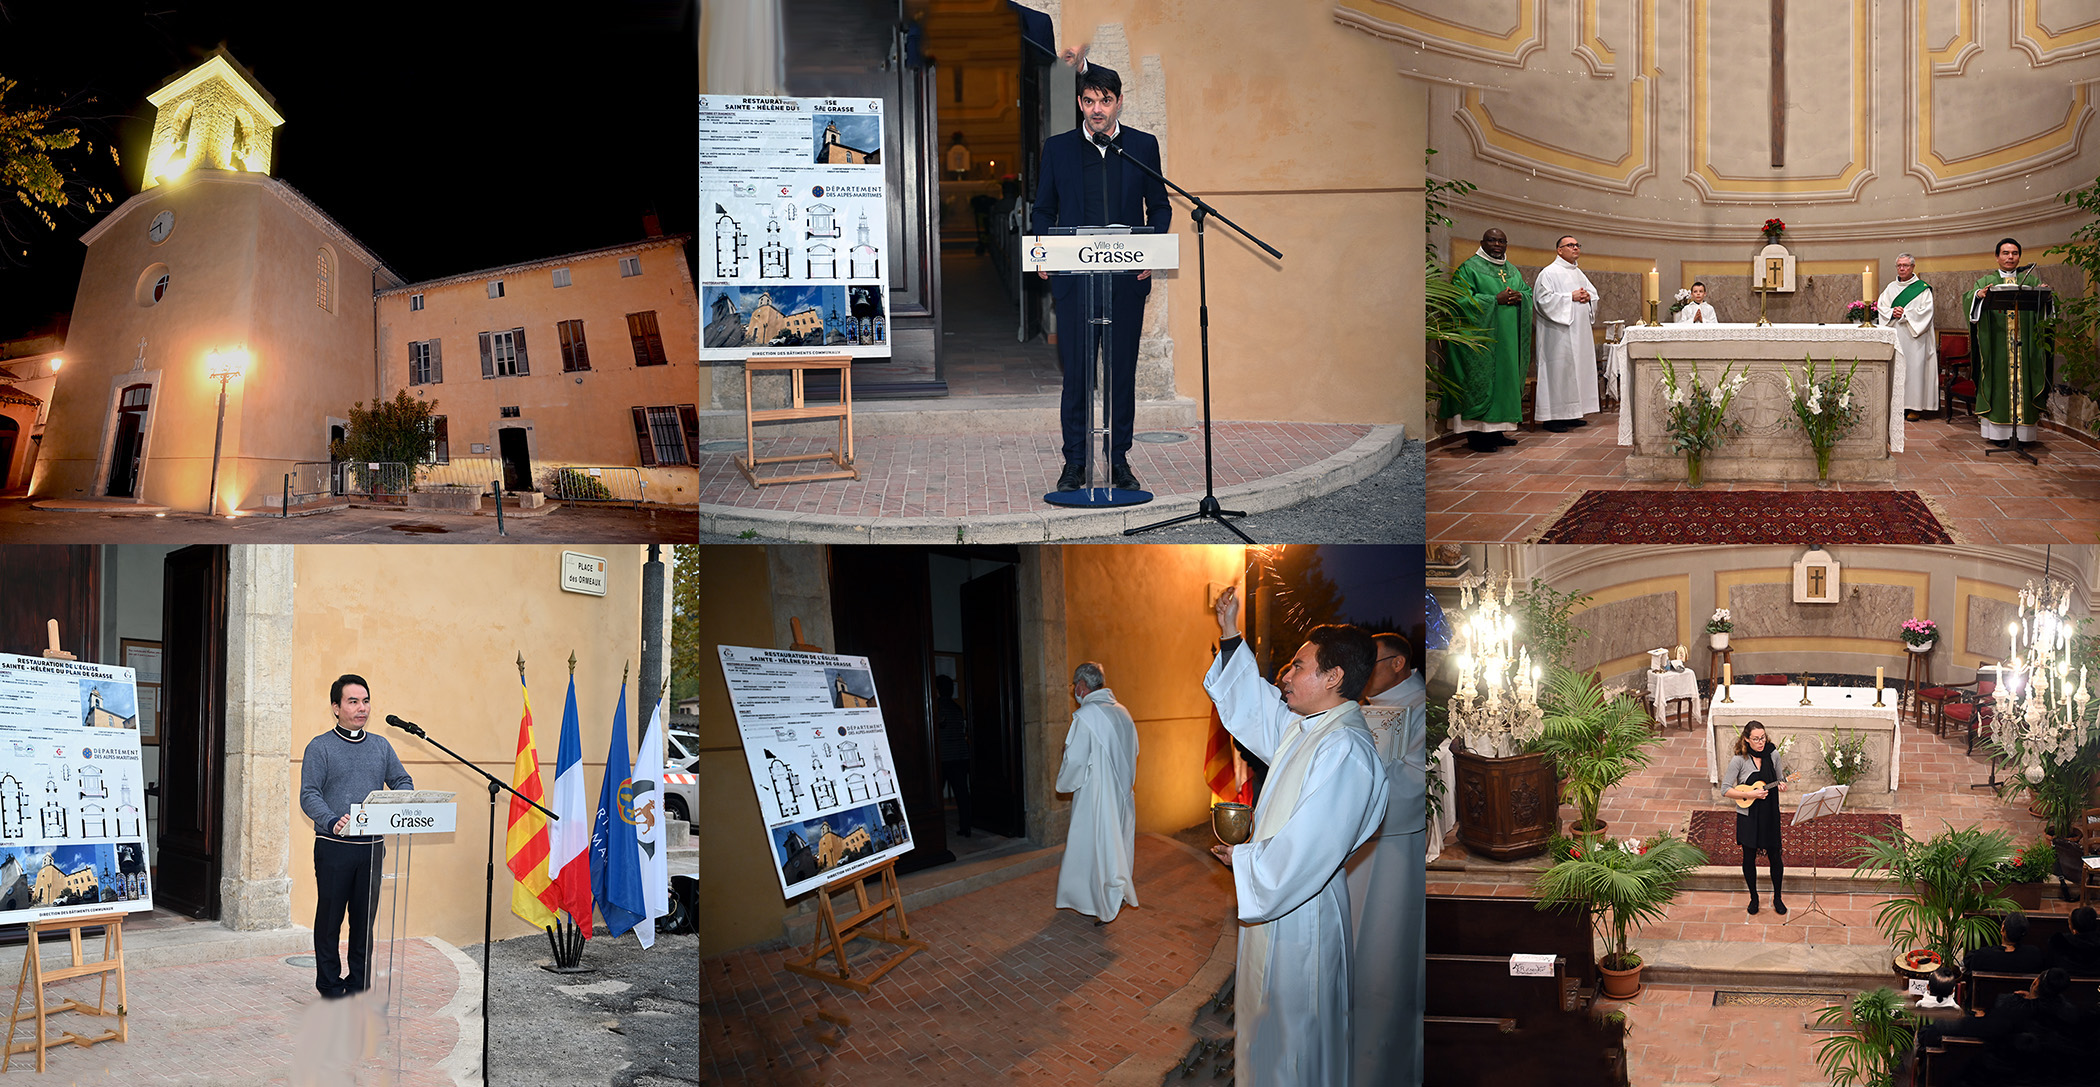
(409,727)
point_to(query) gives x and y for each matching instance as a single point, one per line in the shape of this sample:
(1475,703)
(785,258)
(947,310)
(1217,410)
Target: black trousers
(347,875)
(957,775)
(1074,336)
(1750,871)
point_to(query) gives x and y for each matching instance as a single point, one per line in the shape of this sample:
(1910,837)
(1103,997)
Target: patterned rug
(1761,998)
(1826,843)
(1748,517)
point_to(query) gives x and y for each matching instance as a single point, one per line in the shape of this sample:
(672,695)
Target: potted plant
(1621,885)
(1877,1034)
(1772,230)
(1719,627)
(1862,312)
(1596,739)
(2021,878)
(1697,415)
(1823,410)
(1949,877)
(1920,635)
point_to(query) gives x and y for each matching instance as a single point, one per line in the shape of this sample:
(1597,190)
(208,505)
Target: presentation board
(820,762)
(795,195)
(72,791)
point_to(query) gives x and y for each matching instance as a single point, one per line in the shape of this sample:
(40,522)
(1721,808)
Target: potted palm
(1876,1034)
(1595,738)
(1620,885)
(1949,876)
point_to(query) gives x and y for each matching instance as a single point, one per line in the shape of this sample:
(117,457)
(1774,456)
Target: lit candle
(1866,284)
(1654,286)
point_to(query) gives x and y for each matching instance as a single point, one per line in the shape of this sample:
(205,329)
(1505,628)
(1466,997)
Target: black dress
(1757,827)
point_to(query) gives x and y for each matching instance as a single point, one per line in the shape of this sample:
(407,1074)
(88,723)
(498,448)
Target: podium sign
(392,818)
(1100,252)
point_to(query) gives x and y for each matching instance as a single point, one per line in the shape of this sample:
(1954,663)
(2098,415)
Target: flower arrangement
(1845,760)
(1862,312)
(1786,748)
(1920,632)
(1698,414)
(1721,623)
(1772,229)
(1823,408)
(1682,299)
(2034,864)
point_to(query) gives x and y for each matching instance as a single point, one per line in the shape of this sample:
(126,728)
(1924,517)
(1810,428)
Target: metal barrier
(307,479)
(582,483)
(385,481)
(460,473)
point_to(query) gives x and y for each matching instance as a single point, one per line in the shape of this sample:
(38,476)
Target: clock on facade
(162,223)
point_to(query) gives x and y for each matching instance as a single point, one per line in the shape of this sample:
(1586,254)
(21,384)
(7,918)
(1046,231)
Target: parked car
(681,784)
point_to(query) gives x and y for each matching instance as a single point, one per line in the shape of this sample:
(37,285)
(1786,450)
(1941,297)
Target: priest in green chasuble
(1490,398)
(1994,393)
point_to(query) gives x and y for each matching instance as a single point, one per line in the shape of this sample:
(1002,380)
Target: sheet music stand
(1829,800)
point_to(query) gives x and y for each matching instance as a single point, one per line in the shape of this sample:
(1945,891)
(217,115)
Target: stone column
(1046,704)
(255,887)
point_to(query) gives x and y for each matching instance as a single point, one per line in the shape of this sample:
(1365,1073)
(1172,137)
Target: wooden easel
(34,974)
(833,933)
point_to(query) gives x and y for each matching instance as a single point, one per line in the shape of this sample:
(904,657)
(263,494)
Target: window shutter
(517,337)
(412,363)
(689,418)
(641,437)
(437,364)
(488,363)
(641,342)
(583,354)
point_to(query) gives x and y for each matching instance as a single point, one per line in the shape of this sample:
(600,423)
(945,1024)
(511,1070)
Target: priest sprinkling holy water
(1906,306)
(1325,796)
(1566,307)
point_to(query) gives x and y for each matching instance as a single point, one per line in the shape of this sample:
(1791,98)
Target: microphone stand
(1209,508)
(488,905)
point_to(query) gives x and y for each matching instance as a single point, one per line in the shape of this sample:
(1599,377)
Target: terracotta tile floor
(1514,495)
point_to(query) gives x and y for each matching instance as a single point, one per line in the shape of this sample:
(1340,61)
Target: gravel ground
(1384,508)
(632,1023)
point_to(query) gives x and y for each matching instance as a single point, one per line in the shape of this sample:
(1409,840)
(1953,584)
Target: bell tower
(212,117)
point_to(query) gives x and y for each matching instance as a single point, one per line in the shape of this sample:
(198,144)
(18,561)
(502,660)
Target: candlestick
(1866,285)
(1654,286)
(1728,683)
(1877,687)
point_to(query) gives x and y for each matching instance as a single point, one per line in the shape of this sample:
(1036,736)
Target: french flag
(568,860)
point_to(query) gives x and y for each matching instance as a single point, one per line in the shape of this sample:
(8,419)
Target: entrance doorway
(192,747)
(128,449)
(517,460)
(336,437)
(10,438)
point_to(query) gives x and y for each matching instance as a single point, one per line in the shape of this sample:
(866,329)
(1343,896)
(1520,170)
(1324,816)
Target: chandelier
(1495,710)
(2041,720)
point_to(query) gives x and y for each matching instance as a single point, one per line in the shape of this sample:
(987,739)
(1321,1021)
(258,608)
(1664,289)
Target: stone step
(1020,414)
(1713,877)
(1753,965)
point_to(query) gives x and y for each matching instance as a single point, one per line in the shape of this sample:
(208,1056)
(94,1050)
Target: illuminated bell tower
(213,117)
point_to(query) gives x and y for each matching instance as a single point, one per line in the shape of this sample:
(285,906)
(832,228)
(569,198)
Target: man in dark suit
(1084,183)
(2015,957)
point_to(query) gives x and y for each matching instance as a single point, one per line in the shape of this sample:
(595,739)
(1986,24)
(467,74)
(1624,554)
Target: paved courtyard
(22,523)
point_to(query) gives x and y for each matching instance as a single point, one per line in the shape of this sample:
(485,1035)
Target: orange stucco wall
(580,418)
(1303,132)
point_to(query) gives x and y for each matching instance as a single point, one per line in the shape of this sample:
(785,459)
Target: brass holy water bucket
(1232,823)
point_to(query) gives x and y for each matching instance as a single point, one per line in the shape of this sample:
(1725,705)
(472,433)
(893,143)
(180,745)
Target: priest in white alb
(1325,795)
(1386,878)
(1565,306)
(1100,771)
(1906,306)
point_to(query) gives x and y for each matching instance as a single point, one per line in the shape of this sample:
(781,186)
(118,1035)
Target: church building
(219,291)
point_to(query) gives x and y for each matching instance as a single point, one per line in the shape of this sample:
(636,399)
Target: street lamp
(224,365)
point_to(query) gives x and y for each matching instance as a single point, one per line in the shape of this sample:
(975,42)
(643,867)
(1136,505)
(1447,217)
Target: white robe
(1703,309)
(1099,770)
(1325,795)
(1917,346)
(1386,885)
(1567,350)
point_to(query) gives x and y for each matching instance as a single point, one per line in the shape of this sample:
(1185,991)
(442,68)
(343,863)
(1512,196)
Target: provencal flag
(616,876)
(645,801)
(532,895)
(568,863)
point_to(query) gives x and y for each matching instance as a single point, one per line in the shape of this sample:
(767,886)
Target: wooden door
(880,610)
(192,751)
(41,582)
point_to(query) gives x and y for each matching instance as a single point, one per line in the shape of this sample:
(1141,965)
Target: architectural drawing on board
(14,807)
(824,794)
(821,261)
(51,820)
(787,792)
(849,756)
(885,783)
(94,821)
(91,785)
(773,256)
(857,788)
(822,222)
(730,245)
(129,825)
(865,261)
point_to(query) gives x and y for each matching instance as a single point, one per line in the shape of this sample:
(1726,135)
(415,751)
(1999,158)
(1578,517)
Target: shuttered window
(573,354)
(648,342)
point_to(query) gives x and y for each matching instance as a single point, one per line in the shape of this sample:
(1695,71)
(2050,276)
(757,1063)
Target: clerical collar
(1492,260)
(356,737)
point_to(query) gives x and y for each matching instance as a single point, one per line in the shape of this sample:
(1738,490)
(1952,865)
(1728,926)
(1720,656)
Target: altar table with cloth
(1779,709)
(1771,446)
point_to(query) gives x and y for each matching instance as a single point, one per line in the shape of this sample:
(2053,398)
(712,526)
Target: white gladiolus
(1714,397)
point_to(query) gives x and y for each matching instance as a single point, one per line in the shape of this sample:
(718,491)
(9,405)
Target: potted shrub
(1876,1036)
(1920,635)
(1949,876)
(1718,628)
(1621,885)
(2021,878)
(1595,738)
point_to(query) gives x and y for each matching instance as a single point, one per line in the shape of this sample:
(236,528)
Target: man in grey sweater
(340,767)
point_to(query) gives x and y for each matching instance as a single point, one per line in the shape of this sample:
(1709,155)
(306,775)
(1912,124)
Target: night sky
(445,136)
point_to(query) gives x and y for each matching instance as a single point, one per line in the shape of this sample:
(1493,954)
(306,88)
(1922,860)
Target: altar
(1770,447)
(1779,709)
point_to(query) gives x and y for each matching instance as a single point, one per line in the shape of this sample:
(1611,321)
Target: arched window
(324,279)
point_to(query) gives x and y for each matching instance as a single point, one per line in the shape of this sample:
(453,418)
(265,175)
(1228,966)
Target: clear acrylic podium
(398,815)
(1097,256)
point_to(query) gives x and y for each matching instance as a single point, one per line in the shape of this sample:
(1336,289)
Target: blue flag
(616,864)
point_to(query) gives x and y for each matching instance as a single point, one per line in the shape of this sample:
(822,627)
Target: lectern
(2020,306)
(1097,256)
(400,816)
